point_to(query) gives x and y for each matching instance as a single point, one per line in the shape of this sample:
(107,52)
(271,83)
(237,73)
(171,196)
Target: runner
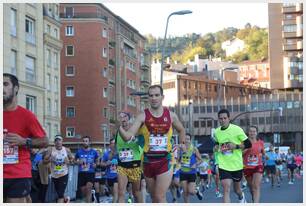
(189,161)
(215,172)
(175,183)
(86,158)
(298,162)
(270,164)
(111,157)
(252,160)
(129,169)
(230,140)
(290,166)
(60,157)
(203,167)
(279,166)
(100,177)
(21,132)
(156,123)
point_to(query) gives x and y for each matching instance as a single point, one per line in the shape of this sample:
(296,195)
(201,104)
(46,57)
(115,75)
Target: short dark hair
(188,134)
(255,127)
(157,86)
(13,79)
(224,111)
(86,136)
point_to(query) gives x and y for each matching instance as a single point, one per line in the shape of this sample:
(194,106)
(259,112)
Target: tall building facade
(27,38)
(286,45)
(103,63)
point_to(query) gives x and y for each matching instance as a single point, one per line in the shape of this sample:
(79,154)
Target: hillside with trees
(181,49)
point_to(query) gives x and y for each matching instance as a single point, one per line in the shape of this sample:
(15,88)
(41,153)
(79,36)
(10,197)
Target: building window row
(131,84)
(290,28)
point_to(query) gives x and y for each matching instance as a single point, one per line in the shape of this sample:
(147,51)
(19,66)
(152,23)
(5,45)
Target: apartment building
(29,32)
(286,45)
(103,63)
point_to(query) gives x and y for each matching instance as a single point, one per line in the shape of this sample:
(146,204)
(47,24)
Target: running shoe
(290,183)
(199,194)
(178,193)
(218,194)
(130,199)
(174,200)
(242,200)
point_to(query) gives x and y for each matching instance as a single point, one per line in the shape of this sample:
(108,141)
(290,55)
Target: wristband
(237,146)
(29,143)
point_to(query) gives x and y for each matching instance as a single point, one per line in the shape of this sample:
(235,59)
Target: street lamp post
(220,80)
(182,12)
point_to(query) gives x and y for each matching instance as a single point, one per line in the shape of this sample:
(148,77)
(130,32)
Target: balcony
(293,8)
(145,80)
(84,16)
(290,47)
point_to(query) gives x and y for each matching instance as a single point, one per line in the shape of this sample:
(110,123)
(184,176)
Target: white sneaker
(290,183)
(243,200)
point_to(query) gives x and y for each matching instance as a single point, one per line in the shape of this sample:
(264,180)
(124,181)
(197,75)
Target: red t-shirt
(253,156)
(24,123)
(298,160)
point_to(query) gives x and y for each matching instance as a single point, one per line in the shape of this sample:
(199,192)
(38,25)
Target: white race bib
(158,143)
(252,160)
(10,154)
(126,155)
(225,150)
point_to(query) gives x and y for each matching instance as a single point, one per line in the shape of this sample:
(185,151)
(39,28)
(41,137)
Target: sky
(151,18)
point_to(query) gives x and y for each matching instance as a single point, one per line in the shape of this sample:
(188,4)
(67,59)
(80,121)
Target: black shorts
(101,180)
(188,177)
(16,188)
(291,167)
(234,175)
(85,177)
(112,181)
(271,169)
(60,185)
(204,177)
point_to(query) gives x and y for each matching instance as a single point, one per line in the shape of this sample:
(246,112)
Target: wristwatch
(29,143)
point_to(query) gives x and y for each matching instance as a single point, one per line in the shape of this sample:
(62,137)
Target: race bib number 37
(10,154)
(158,143)
(126,155)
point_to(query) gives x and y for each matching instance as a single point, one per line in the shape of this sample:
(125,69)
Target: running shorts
(248,172)
(133,174)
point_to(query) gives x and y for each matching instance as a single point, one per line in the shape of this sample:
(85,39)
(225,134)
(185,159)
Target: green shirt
(230,160)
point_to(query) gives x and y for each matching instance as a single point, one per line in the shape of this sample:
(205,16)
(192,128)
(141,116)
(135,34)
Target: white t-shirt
(58,166)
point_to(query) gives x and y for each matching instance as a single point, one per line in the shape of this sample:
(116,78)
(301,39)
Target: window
(55,84)
(49,106)
(105,112)
(55,131)
(48,29)
(69,70)
(31,103)
(69,30)
(70,91)
(104,33)
(13,22)
(48,82)
(55,33)
(56,108)
(70,131)
(105,94)
(104,72)
(56,10)
(55,60)
(70,112)
(290,28)
(48,58)
(104,52)
(203,123)
(30,30)
(69,50)
(202,109)
(14,62)
(209,109)
(30,69)
(196,124)
(69,12)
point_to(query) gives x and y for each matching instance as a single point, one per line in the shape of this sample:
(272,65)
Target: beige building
(52,50)
(286,45)
(24,44)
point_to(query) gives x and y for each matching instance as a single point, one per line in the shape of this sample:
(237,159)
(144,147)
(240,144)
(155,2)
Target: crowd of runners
(142,162)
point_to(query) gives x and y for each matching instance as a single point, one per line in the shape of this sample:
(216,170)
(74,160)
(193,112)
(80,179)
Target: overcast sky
(206,17)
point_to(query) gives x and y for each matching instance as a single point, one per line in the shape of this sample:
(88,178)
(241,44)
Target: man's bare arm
(179,127)
(127,135)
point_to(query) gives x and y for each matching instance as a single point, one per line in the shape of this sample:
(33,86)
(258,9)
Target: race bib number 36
(10,154)
(158,143)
